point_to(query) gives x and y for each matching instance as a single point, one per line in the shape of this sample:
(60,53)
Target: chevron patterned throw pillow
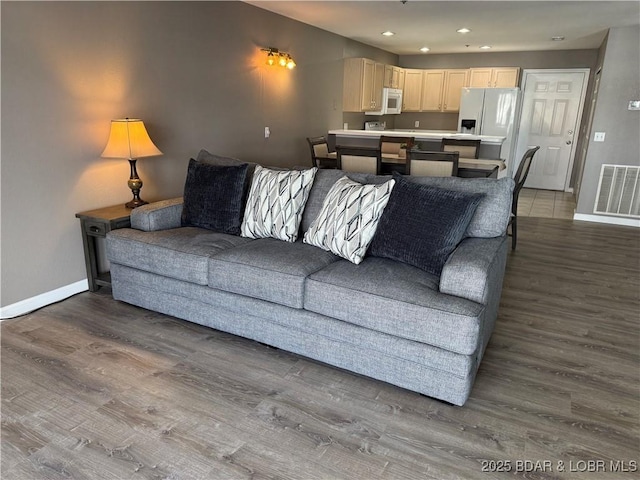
(349,217)
(276,202)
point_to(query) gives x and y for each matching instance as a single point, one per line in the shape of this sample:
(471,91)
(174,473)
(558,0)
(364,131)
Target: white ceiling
(505,25)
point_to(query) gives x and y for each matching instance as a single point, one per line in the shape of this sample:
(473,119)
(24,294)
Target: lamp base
(135,184)
(135,203)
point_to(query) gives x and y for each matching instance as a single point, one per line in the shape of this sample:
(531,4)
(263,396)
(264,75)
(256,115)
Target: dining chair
(359,159)
(468,148)
(321,157)
(520,178)
(395,148)
(394,152)
(432,164)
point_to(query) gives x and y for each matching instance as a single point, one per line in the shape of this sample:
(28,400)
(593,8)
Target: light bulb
(290,63)
(271,59)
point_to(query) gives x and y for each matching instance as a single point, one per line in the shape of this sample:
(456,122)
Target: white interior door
(551,111)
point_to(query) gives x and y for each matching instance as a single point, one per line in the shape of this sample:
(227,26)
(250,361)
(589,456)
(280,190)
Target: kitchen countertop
(419,135)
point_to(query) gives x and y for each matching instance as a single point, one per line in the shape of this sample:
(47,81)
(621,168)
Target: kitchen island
(419,135)
(490,146)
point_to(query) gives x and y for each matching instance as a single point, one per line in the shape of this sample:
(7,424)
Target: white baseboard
(42,300)
(628,222)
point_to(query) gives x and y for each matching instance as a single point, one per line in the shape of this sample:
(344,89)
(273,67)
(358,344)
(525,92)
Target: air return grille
(619,191)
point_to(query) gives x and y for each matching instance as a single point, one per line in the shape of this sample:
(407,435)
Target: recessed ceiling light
(388,33)
(557,38)
(463,30)
(424,49)
(485,47)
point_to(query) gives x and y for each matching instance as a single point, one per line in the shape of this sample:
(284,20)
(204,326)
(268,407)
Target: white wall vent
(619,191)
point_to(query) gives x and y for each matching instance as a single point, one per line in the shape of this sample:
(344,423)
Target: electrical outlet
(416,124)
(598,137)
(634,104)
(267,132)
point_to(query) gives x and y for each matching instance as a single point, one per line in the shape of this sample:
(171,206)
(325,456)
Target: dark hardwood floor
(96,389)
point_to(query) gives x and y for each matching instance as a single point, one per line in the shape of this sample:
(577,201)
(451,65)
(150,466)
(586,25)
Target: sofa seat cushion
(180,253)
(268,269)
(397,299)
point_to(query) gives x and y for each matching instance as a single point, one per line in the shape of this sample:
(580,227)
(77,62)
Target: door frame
(578,129)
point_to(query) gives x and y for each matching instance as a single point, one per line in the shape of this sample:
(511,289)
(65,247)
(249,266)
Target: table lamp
(129,139)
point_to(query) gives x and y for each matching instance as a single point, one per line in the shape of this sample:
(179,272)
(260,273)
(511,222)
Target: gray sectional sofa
(381,318)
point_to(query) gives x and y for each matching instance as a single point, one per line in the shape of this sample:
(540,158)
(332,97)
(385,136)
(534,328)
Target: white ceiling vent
(619,191)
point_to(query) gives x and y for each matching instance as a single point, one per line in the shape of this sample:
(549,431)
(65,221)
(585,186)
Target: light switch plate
(634,105)
(598,137)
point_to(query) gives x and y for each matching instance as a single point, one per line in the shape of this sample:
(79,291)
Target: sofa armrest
(157,215)
(474,268)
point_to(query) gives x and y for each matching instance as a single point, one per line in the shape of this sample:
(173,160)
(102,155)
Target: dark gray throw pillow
(213,197)
(421,225)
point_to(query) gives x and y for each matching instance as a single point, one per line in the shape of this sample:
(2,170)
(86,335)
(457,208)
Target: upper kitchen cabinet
(441,90)
(412,92)
(393,77)
(454,82)
(432,85)
(502,77)
(363,81)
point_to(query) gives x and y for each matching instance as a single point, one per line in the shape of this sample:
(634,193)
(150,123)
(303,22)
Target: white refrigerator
(493,111)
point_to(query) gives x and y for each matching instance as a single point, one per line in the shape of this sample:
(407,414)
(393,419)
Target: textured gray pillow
(213,197)
(422,225)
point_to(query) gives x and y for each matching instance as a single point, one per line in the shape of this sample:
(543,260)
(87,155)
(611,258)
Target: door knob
(568,142)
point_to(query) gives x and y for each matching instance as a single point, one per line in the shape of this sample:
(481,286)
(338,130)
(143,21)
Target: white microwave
(391,102)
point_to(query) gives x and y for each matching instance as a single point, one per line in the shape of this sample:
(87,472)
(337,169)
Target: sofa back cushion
(489,220)
(206,157)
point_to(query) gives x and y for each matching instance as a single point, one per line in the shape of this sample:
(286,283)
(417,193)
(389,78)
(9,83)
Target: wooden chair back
(359,159)
(432,164)
(395,148)
(466,147)
(521,175)
(321,157)
(520,178)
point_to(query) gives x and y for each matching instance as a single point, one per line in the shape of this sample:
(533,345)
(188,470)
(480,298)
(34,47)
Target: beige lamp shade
(129,139)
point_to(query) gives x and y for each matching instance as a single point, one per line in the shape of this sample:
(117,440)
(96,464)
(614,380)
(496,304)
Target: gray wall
(619,83)
(192,71)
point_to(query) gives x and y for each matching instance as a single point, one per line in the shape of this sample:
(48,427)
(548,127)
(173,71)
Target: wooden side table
(96,224)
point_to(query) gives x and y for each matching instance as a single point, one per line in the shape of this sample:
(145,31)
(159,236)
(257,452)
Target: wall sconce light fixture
(276,57)
(129,139)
